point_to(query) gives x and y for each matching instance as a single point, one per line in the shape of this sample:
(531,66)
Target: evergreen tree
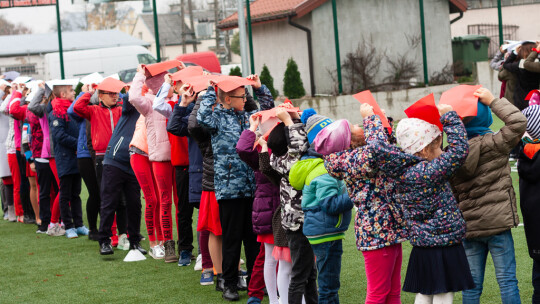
(78,89)
(268,80)
(292,83)
(235,72)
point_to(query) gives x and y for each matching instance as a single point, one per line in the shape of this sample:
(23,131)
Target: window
(22,69)
(146,59)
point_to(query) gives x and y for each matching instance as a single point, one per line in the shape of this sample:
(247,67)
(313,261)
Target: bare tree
(362,65)
(106,16)
(8,28)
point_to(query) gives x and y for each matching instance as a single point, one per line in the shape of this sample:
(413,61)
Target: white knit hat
(414,134)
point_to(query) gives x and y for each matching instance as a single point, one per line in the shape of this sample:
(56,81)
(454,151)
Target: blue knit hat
(314,123)
(481,123)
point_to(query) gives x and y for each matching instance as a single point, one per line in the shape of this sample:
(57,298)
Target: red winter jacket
(102,120)
(18,112)
(179,147)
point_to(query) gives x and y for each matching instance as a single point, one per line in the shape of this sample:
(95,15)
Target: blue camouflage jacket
(233,178)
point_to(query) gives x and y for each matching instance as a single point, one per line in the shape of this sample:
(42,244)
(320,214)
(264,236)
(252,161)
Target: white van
(105,61)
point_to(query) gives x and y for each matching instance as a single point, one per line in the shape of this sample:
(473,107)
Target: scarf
(481,123)
(60,107)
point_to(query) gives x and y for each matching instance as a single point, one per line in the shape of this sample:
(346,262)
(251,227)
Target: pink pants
(55,206)
(164,176)
(383,272)
(143,171)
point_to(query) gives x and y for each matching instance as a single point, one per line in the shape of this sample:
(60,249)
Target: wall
(387,23)
(274,43)
(393,102)
(38,60)
(521,15)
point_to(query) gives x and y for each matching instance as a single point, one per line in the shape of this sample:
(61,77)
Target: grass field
(43,269)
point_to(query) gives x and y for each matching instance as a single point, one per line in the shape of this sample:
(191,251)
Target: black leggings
(93,204)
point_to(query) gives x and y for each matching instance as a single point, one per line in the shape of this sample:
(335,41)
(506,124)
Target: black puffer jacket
(203,139)
(529,182)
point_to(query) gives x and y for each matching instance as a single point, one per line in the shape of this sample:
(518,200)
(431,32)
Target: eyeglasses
(242,97)
(110,93)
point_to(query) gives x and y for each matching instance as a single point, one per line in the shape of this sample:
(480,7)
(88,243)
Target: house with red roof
(281,30)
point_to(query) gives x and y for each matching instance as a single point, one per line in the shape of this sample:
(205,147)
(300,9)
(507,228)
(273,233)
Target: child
(438,265)
(379,224)
(529,183)
(288,141)
(484,191)
(233,178)
(326,205)
(64,132)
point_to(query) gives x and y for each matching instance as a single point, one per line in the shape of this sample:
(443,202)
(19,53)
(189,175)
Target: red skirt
(29,172)
(209,213)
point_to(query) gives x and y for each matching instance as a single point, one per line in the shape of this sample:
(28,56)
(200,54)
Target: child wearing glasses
(234,179)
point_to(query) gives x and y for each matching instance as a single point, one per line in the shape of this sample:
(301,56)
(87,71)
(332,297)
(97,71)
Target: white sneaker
(198,263)
(157,252)
(123,242)
(55,230)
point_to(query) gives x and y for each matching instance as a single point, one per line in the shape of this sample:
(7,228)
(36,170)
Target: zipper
(229,175)
(511,208)
(340,219)
(117,146)
(112,121)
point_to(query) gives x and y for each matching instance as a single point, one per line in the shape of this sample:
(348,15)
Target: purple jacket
(266,194)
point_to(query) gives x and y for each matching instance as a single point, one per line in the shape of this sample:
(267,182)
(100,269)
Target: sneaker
(253,300)
(207,278)
(157,252)
(82,230)
(242,284)
(230,294)
(71,233)
(6,216)
(137,246)
(55,230)
(123,242)
(170,253)
(198,263)
(185,258)
(105,249)
(220,282)
(41,230)
(11,214)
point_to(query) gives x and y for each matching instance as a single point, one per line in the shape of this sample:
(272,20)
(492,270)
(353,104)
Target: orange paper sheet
(426,110)
(110,84)
(367,97)
(187,72)
(160,67)
(462,100)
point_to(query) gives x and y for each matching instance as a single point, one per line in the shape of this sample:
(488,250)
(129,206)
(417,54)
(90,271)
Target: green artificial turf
(42,269)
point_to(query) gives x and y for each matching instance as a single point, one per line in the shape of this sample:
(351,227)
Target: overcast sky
(40,19)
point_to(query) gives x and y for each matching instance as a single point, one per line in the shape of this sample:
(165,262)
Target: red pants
(16,177)
(145,176)
(383,272)
(256,282)
(164,176)
(55,207)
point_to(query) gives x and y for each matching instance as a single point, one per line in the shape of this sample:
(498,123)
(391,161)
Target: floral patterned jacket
(379,221)
(430,208)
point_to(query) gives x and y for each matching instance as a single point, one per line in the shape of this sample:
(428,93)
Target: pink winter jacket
(139,136)
(159,147)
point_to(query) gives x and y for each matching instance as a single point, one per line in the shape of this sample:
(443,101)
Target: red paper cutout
(229,83)
(462,100)
(190,71)
(269,120)
(367,97)
(160,67)
(426,110)
(200,83)
(529,96)
(110,84)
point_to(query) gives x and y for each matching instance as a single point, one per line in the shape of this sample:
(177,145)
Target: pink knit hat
(334,138)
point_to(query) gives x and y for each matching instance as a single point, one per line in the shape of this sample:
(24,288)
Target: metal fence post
(499,9)
(336,42)
(424,53)
(156,31)
(60,48)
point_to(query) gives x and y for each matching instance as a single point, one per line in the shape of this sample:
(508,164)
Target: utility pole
(183,16)
(243,42)
(216,20)
(194,36)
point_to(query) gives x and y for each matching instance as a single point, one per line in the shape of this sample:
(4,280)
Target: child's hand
(140,69)
(41,85)
(168,78)
(187,95)
(295,115)
(284,116)
(254,122)
(485,96)
(366,110)
(255,78)
(264,144)
(444,108)
(182,66)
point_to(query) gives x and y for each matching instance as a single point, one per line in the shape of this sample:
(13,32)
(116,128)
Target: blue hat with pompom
(314,123)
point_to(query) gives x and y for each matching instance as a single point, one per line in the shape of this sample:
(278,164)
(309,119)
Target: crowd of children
(279,181)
